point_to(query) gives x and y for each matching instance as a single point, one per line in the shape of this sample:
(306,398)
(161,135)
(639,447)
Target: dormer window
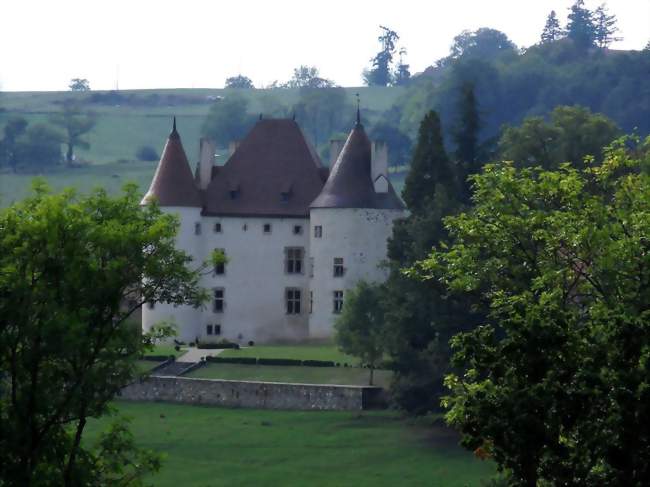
(285,192)
(197,228)
(233,190)
(267,228)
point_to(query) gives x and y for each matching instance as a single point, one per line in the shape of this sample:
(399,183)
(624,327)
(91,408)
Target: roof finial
(293,117)
(174,125)
(261,116)
(358,110)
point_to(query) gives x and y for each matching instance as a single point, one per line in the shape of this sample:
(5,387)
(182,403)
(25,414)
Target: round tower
(174,188)
(350,221)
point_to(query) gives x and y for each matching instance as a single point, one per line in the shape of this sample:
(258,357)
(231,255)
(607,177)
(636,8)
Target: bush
(232,360)
(146,153)
(318,363)
(278,361)
(156,358)
(251,343)
(214,346)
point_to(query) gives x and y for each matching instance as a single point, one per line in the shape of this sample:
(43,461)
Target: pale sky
(197,44)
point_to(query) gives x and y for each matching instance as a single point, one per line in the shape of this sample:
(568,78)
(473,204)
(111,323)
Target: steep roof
(274,171)
(173,183)
(350,182)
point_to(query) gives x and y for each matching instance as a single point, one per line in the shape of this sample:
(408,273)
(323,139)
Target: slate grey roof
(273,172)
(173,183)
(350,182)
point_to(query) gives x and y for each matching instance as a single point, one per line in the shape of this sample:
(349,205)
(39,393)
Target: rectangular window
(197,229)
(339,270)
(293,301)
(217,329)
(318,231)
(208,330)
(294,256)
(217,228)
(311,302)
(311,267)
(338,301)
(220,268)
(219,301)
(297,229)
(267,228)
(151,305)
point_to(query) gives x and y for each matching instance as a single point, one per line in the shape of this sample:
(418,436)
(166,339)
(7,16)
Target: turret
(351,220)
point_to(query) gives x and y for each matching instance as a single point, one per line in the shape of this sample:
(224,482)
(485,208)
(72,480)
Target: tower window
(219,301)
(220,268)
(197,228)
(151,305)
(213,330)
(267,228)
(293,301)
(208,330)
(293,263)
(318,231)
(338,302)
(217,227)
(311,302)
(339,270)
(311,267)
(297,229)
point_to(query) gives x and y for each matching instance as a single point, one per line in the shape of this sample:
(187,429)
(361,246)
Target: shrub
(214,346)
(233,360)
(146,153)
(251,343)
(318,363)
(278,361)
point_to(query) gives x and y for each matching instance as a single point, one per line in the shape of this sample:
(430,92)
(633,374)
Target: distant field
(223,447)
(354,376)
(298,352)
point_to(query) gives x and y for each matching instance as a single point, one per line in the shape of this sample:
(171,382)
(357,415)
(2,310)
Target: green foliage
(228,120)
(79,84)
(552,29)
(555,384)
(308,77)
(466,135)
(40,148)
(74,122)
(604,27)
(146,153)
(580,25)
(322,112)
(380,74)
(68,266)
(239,81)
(399,144)
(572,134)
(360,330)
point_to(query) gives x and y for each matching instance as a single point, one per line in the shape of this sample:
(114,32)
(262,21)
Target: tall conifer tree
(552,30)
(580,26)
(466,136)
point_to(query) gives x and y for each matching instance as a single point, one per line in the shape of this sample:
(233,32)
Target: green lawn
(225,447)
(143,366)
(294,374)
(299,352)
(166,350)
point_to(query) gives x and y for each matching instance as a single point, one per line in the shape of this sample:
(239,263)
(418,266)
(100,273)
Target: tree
(40,148)
(483,43)
(228,120)
(308,77)
(572,134)
(380,72)
(580,25)
(75,123)
(466,135)
(399,144)
(13,132)
(552,30)
(79,84)
(605,27)
(430,167)
(360,328)
(239,81)
(402,73)
(323,112)
(73,270)
(555,385)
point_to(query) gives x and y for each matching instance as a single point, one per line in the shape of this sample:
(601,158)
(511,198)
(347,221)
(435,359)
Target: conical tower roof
(173,183)
(350,182)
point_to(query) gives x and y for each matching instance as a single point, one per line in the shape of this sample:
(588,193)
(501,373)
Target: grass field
(165,350)
(298,352)
(225,447)
(294,374)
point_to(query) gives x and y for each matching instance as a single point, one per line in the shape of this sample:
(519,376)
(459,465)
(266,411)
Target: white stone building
(296,235)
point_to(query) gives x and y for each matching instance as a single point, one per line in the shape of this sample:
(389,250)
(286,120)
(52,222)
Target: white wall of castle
(358,236)
(255,279)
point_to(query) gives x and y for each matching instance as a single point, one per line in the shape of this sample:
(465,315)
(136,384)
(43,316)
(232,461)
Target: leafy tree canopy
(307,77)
(554,385)
(75,123)
(228,120)
(73,270)
(79,84)
(239,81)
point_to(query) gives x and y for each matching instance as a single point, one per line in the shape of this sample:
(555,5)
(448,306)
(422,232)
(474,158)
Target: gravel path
(194,354)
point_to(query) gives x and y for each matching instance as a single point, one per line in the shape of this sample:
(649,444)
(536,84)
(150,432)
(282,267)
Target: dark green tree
(360,330)
(39,148)
(555,384)
(552,30)
(322,112)
(10,145)
(75,123)
(380,72)
(484,43)
(228,120)
(402,73)
(580,25)
(605,27)
(239,81)
(466,135)
(73,271)
(79,84)
(308,77)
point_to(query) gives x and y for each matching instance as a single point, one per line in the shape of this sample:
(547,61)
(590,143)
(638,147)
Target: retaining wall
(260,395)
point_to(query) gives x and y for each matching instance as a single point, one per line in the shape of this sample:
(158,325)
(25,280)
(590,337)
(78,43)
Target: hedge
(232,360)
(318,363)
(156,358)
(213,346)
(279,361)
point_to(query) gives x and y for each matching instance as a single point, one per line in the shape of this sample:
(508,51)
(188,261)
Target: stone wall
(261,395)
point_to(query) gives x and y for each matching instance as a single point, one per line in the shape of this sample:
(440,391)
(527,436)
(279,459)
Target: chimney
(206,161)
(232,147)
(379,166)
(336,145)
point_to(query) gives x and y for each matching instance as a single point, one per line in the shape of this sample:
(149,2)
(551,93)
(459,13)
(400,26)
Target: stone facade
(258,395)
